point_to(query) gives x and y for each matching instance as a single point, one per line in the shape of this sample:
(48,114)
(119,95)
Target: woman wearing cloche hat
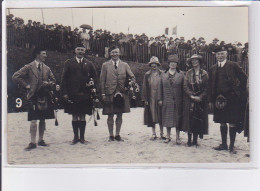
(170,97)
(195,118)
(152,111)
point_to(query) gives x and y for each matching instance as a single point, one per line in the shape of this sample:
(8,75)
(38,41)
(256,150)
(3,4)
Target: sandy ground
(137,147)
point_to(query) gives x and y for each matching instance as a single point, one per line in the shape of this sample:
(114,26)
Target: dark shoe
(30,146)
(75,141)
(42,143)
(167,140)
(221,147)
(195,144)
(83,141)
(118,138)
(153,138)
(162,137)
(232,151)
(111,138)
(189,144)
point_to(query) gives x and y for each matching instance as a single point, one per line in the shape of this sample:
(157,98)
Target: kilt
(84,106)
(35,114)
(233,112)
(109,108)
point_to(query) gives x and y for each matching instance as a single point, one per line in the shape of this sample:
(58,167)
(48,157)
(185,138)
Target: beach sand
(137,147)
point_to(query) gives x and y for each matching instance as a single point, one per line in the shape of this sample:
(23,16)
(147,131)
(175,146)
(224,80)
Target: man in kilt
(227,96)
(113,77)
(37,79)
(76,91)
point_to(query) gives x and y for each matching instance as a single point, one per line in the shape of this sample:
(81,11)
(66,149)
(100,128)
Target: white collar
(37,63)
(221,64)
(115,62)
(79,60)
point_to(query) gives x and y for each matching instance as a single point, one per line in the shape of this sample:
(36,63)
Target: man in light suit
(112,81)
(35,77)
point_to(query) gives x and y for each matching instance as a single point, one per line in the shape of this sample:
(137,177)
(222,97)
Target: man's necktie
(115,65)
(39,67)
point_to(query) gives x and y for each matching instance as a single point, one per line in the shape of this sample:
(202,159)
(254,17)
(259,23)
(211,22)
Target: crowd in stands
(137,48)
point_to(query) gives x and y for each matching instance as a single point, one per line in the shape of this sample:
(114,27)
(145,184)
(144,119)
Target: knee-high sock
(232,135)
(82,129)
(189,137)
(195,138)
(110,124)
(119,121)
(33,130)
(75,125)
(223,131)
(41,130)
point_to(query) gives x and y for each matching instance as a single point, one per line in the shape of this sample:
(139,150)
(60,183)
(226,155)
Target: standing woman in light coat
(152,111)
(170,97)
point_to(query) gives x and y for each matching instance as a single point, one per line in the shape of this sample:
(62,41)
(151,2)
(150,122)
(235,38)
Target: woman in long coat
(170,97)
(152,111)
(195,117)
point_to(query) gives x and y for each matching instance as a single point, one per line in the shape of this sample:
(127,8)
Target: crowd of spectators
(137,48)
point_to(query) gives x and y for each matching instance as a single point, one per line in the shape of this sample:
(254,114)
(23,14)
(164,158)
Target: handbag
(221,102)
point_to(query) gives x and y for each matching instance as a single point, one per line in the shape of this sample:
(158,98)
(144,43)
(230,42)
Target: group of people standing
(172,99)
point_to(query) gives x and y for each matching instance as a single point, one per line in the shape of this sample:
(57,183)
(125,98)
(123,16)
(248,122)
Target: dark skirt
(233,112)
(35,114)
(79,107)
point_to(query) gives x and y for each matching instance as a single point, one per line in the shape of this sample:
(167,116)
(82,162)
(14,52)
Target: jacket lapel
(168,82)
(34,69)
(113,67)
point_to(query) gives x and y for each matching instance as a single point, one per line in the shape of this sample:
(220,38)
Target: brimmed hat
(173,58)
(193,38)
(239,43)
(215,39)
(155,60)
(195,56)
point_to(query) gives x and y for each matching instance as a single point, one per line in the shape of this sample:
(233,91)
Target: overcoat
(73,83)
(188,81)
(112,81)
(29,75)
(236,96)
(172,97)
(146,97)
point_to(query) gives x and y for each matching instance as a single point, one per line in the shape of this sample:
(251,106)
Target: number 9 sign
(18,102)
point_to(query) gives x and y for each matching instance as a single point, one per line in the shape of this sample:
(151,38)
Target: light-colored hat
(173,58)
(195,56)
(155,60)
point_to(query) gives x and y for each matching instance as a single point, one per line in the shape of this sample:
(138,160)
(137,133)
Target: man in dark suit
(227,87)
(112,82)
(76,90)
(37,78)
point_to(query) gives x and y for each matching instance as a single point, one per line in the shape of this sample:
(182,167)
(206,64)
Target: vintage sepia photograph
(127,85)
